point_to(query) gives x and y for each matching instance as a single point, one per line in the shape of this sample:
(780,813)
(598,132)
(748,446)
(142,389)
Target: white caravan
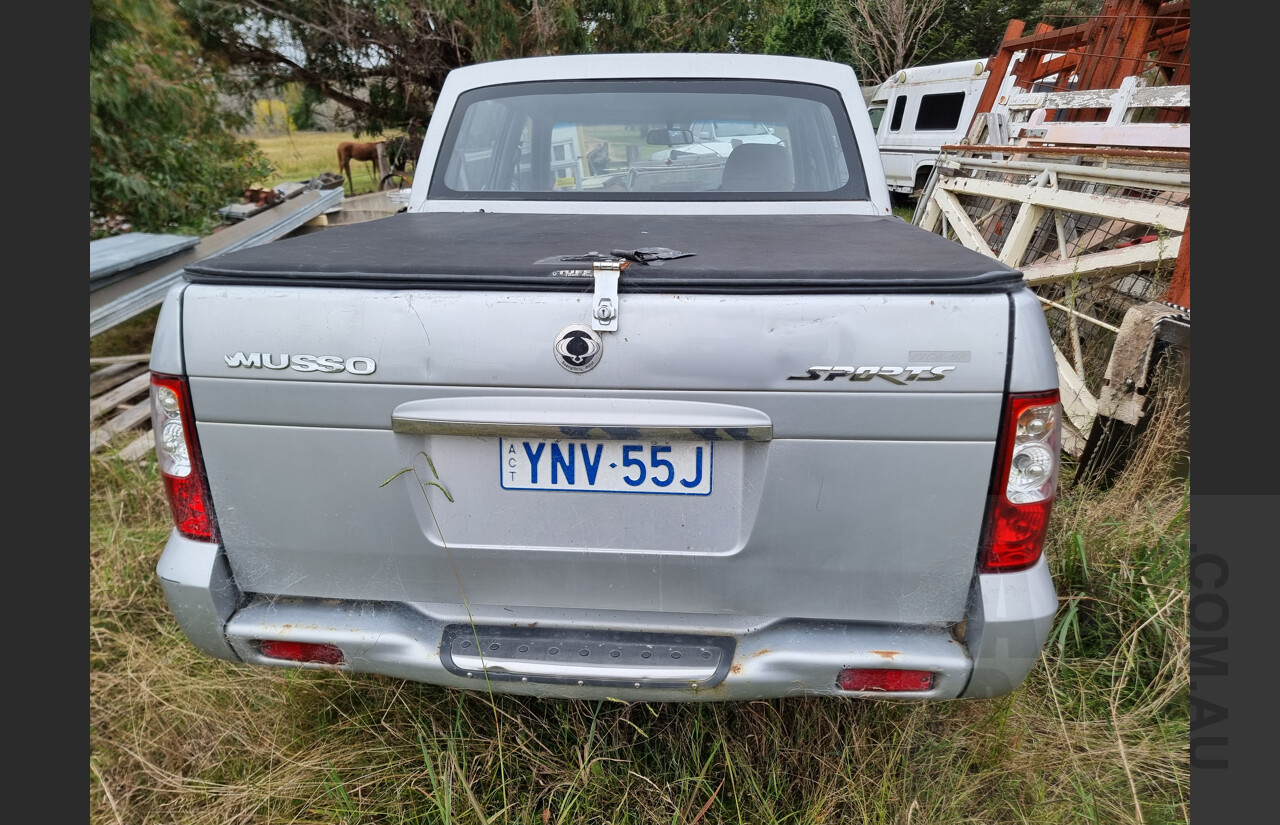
(919,110)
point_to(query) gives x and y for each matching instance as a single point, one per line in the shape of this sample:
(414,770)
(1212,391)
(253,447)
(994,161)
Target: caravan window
(877,114)
(940,112)
(899,106)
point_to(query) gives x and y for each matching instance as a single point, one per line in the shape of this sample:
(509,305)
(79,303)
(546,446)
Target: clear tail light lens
(1025,482)
(179,458)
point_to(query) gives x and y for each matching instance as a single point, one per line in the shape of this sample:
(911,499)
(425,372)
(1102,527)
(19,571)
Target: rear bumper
(201,592)
(786,657)
(1010,615)
(763,657)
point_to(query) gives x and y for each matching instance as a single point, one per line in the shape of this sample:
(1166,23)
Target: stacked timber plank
(120,407)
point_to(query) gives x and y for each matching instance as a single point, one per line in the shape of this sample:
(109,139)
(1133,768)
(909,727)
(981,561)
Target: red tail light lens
(1026,479)
(301,651)
(179,457)
(886,680)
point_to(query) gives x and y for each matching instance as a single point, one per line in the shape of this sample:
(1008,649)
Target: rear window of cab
(647,140)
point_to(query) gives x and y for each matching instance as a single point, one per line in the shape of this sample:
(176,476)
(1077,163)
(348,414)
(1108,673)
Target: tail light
(1028,451)
(179,456)
(884,679)
(301,651)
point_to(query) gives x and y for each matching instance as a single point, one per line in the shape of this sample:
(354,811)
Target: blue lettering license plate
(676,468)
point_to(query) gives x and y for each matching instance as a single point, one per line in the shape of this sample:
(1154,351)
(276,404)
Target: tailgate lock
(604,306)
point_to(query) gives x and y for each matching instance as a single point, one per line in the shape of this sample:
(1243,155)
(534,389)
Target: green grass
(131,337)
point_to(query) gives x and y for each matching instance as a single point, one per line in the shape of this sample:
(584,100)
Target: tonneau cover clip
(604,306)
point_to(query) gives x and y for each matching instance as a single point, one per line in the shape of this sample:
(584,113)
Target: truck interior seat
(758,167)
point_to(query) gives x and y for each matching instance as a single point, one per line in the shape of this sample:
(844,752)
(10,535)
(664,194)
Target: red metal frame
(1125,38)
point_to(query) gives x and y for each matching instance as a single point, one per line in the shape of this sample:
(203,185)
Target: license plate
(680,468)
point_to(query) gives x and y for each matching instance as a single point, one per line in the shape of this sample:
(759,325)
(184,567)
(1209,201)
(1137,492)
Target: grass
(301,156)
(1097,734)
(131,337)
(904,210)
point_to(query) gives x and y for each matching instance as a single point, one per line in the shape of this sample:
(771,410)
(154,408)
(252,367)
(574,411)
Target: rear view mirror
(668,137)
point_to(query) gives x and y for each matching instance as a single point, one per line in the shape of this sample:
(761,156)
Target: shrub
(162,152)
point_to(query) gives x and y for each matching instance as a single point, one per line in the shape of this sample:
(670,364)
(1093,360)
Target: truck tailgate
(816,455)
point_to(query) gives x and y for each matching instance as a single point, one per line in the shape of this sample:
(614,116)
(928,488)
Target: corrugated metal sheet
(114,255)
(145,288)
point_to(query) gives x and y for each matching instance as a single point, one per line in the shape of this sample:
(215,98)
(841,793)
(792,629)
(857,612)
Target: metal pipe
(1078,314)
(1072,327)
(1087,151)
(1166,180)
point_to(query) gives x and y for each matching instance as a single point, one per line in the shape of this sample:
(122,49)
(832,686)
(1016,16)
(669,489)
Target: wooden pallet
(120,407)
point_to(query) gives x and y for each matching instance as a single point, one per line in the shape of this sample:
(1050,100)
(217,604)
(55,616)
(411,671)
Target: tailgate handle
(600,419)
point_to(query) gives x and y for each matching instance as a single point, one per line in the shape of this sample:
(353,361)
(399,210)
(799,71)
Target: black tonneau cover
(730,254)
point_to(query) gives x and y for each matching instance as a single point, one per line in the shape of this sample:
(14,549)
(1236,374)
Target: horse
(350,150)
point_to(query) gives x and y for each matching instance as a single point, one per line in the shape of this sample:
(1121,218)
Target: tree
(974,28)
(385,60)
(162,153)
(302,102)
(672,25)
(805,28)
(884,35)
(379,59)
(752,33)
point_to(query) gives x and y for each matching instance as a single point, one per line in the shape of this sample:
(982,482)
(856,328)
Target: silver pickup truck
(585,423)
